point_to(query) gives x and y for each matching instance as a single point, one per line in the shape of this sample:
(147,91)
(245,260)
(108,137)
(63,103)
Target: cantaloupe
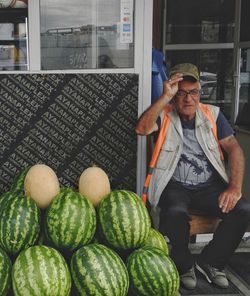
(41,184)
(94,184)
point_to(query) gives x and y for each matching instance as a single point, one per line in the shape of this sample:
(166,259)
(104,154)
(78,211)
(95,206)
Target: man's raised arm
(147,121)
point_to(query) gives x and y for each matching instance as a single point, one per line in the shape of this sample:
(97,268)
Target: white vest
(172,149)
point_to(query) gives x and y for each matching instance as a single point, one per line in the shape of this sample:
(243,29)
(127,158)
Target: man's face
(187,99)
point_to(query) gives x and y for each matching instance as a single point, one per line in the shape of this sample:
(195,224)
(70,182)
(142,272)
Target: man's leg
(174,222)
(227,235)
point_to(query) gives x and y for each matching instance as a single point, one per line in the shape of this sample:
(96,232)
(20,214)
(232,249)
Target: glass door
(202,32)
(14,35)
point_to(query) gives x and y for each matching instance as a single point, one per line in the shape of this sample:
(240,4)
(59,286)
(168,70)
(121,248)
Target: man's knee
(174,213)
(243,209)
(172,219)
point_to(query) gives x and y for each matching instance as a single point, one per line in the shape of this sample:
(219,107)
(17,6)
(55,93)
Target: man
(189,172)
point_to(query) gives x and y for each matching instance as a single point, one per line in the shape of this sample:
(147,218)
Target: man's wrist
(166,98)
(235,187)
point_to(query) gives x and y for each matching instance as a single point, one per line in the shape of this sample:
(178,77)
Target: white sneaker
(213,275)
(188,279)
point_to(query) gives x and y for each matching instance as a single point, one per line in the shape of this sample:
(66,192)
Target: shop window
(86,34)
(202,32)
(243,118)
(245,21)
(200,21)
(14,36)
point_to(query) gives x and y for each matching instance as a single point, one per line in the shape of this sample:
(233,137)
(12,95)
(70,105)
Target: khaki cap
(186,69)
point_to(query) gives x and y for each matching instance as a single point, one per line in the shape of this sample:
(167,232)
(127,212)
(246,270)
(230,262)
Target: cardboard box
(21,30)
(7,52)
(6,31)
(210,31)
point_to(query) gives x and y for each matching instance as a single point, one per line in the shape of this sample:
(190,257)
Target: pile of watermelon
(75,248)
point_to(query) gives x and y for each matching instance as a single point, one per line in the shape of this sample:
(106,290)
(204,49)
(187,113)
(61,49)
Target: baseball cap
(187,69)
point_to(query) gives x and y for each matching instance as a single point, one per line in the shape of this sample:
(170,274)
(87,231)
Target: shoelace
(215,271)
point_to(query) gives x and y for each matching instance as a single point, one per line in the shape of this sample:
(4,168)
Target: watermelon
(123,219)
(18,183)
(98,270)
(40,271)
(5,273)
(19,224)
(152,272)
(156,239)
(5,198)
(70,220)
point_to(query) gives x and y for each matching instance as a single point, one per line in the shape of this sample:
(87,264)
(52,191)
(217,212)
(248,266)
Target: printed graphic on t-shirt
(193,168)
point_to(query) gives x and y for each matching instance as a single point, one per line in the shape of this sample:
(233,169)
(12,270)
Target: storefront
(114,38)
(73,75)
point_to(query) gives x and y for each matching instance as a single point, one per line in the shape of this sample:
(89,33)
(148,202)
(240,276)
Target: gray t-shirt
(194,169)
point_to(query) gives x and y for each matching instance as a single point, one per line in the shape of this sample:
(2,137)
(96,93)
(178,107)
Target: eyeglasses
(194,93)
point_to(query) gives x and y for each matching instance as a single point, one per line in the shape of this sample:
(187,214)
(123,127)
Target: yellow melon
(94,184)
(41,184)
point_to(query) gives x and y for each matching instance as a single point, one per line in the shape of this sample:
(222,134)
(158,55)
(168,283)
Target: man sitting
(188,171)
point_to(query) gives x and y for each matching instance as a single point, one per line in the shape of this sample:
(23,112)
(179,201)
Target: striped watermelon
(19,224)
(5,273)
(123,219)
(41,271)
(98,270)
(156,239)
(70,220)
(18,182)
(5,198)
(152,272)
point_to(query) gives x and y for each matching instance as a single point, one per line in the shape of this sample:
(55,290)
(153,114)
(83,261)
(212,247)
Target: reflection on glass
(200,21)
(215,74)
(245,21)
(244,97)
(81,34)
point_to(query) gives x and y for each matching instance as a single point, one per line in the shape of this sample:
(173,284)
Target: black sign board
(69,122)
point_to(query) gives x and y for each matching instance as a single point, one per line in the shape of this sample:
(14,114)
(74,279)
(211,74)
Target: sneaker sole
(203,272)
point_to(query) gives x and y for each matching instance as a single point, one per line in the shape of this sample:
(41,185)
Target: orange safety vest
(162,136)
